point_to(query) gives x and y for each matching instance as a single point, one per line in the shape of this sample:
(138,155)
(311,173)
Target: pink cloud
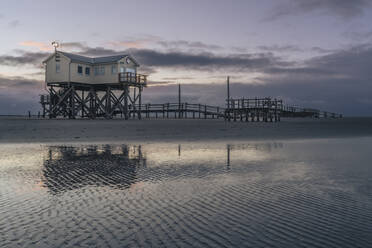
(39,45)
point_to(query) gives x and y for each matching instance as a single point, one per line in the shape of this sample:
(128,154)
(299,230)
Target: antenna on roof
(55,44)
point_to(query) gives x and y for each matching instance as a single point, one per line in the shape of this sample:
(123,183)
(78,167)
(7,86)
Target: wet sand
(298,193)
(183,183)
(21,130)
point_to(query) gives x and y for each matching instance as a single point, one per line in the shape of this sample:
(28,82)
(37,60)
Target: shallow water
(312,193)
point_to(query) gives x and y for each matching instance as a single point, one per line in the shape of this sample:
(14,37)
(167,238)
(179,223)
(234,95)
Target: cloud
(344,9)
(309,71)
(25,58)
(135,42)
(151,58)
(129,43)
(19,94)
(72,45)
(322,50)
(335,80)
(14,24)
(39,45)
(98,51)
(47,47)
(19,83)
(205,61)
(358,36)
(278,48)
(177,78)
(156,41)
(353,62)
(188,44)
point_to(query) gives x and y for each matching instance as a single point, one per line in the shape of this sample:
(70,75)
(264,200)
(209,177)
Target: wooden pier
(257,109)
(178,111)
(124,100)
(248,110)
(290,111)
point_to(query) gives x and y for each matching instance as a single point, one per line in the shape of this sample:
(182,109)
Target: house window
(114,69)
(87,71)
(80,69)
(99,71)
(102,70)
(58,67)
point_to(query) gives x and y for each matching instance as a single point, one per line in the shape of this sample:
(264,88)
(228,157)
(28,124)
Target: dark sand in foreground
(16,130)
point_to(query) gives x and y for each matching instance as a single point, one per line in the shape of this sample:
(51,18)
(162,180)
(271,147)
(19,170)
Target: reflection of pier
(261,147)
(67,168)
(120,166)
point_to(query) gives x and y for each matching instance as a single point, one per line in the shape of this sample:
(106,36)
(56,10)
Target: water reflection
(120,166)
(68,168)
(270,194)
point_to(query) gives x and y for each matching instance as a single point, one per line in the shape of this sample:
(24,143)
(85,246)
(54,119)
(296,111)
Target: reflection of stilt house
(67,168)
(91,87)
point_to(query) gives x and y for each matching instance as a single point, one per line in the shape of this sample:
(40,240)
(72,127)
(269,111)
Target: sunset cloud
(39,45)
(129,44)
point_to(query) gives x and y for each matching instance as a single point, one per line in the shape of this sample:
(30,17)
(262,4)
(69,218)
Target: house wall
(123,63)
(51,76)
(81,78)
(65,65)
(108,77)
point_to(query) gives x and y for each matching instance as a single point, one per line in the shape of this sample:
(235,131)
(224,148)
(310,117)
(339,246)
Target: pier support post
(140,103)
(126,89)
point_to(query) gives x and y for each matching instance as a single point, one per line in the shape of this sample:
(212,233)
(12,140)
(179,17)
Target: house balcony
(132,79)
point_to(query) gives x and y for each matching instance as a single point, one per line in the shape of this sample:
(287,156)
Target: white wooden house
(62,67)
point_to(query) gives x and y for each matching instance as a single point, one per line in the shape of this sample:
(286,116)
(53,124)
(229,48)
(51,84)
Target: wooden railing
(292,111)
(179,110)
(132,78)
(254,103)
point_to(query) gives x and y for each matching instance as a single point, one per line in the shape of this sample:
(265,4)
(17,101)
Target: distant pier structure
(257,109)
(87,87)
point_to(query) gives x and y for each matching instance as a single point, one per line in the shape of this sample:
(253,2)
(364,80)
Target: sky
(310,53)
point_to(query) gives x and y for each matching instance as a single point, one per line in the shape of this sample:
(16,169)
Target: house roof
(96,60)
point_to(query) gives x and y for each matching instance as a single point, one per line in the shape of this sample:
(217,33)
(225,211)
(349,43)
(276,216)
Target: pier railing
(254,103)
(132,78)
(177,110)
(254,109)
(292,111)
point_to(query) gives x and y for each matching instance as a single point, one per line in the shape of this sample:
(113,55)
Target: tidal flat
(304,192)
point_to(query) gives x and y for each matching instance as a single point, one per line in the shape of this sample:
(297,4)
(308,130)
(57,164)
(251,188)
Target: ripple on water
(206,195)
